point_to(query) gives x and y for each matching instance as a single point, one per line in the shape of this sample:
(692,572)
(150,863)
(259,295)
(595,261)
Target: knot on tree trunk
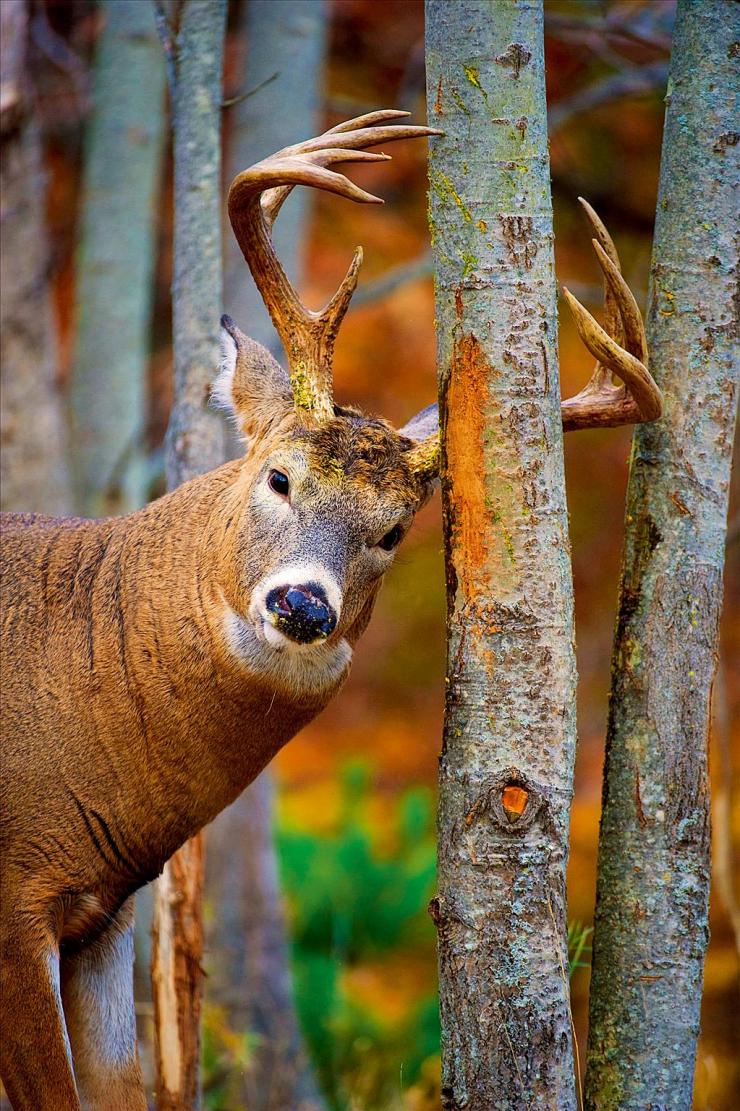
(511,800)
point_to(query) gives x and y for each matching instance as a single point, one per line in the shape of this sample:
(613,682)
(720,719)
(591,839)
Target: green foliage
(578,946)
(352,903)
(225,1055)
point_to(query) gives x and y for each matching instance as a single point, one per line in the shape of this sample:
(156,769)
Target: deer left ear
(424,424)
(424,456)
(251,386)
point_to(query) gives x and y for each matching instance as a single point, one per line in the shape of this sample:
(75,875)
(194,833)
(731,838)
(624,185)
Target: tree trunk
(251,973)
(506,769)
(115,262)
(195,444)
(651,925)
(33,460)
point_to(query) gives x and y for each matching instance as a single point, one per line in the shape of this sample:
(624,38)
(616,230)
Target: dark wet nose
(303,612)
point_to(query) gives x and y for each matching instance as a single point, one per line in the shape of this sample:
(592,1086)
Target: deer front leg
(35,1059)
(98,999)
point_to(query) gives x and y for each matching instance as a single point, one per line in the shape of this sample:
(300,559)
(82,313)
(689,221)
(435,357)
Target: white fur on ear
(222,395)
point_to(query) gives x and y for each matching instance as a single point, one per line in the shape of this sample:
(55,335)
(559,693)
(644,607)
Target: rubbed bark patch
(463,403)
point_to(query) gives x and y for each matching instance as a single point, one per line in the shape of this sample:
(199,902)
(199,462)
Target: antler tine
(612,320)
(601,403)
(255,198)
(273,199)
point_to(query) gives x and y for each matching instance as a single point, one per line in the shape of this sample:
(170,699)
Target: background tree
(506,769)
(249,952)
(33,463)
(114,268)
(651,927)
(195,444)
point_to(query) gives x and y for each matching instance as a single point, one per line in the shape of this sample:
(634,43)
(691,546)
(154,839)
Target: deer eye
(391,539)
(278,482)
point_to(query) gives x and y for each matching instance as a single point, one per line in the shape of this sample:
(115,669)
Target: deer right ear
(251,387)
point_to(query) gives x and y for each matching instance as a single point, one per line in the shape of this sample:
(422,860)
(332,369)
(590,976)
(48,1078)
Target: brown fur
(128,720)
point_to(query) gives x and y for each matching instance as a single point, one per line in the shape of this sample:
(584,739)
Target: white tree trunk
(506,770)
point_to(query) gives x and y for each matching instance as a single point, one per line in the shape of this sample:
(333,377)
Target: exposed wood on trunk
(115,261)
(248,937)
(507,762)
(195,444)
(651,925)
(177,949)
(33,463)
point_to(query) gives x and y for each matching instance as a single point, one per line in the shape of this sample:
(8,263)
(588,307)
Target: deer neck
(214,708)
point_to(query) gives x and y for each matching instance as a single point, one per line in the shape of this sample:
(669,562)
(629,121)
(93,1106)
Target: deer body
(153,664)
(119,630)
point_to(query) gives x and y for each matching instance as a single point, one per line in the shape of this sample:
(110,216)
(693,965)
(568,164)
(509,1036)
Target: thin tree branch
(250,92)
(166,34)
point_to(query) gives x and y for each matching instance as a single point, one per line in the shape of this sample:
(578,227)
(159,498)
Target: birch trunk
(507,761)
(115,262)
(249,938)
(33,460)
(651,925)
(195,444)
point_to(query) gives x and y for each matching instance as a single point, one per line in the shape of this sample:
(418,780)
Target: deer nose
(302,612)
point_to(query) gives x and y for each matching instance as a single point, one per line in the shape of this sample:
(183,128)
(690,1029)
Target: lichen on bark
(651,926)
(507,761)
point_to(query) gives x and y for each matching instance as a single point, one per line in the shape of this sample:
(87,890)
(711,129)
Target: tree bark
(651,925)
(34,473)
(115,262)
(251,973)
(195,444)
(506,768)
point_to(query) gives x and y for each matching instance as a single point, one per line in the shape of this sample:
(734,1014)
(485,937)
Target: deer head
(326,493)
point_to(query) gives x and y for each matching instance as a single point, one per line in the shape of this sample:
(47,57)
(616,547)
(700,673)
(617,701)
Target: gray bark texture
(248,936)
(651,927)
(506,768)
(195,436)
(286,47)
(115,262)
(195,443)
(33,459)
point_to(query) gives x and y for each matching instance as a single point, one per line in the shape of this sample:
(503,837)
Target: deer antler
(255,198)
(620,347)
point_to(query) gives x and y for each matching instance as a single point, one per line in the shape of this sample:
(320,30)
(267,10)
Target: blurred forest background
(355,792)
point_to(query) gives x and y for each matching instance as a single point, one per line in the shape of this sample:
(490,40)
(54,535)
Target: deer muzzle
(302,613)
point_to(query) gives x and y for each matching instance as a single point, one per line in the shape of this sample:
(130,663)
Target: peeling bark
(115,261)
(177,949)
(33,460)
(195,444)
(507,761)
(651,927)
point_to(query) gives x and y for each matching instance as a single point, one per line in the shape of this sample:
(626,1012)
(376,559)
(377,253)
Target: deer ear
(424,454)
(251,386)
(423,425)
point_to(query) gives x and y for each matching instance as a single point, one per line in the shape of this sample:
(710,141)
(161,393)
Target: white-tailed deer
(154,663)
